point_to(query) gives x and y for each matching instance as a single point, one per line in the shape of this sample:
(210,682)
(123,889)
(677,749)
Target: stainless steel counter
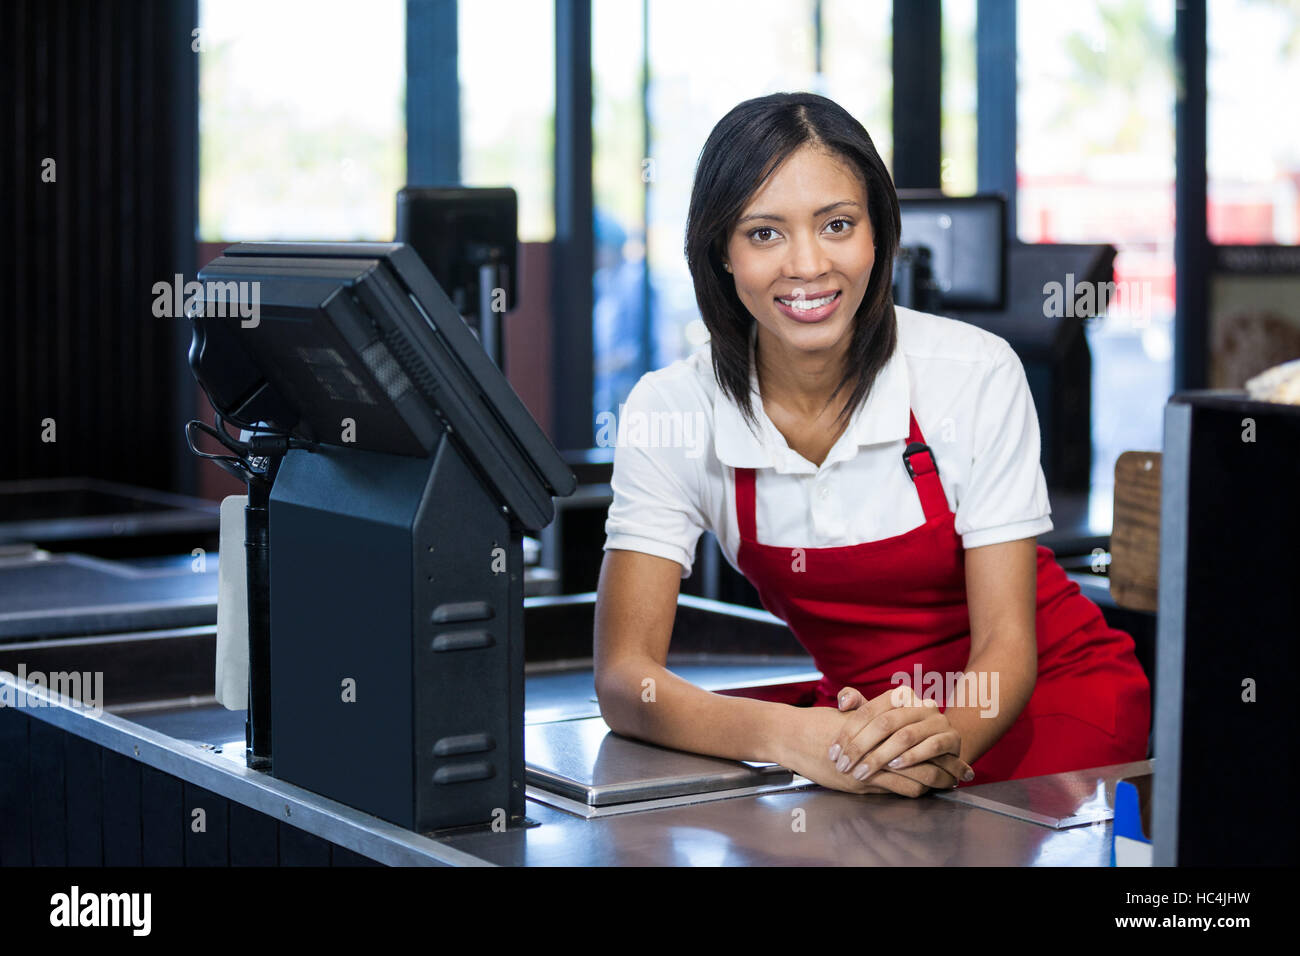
(748,816)
(803,827)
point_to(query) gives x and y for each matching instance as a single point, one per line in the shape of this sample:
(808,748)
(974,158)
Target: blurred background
(181,127)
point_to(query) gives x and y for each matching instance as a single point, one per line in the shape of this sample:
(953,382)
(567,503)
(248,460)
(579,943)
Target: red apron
(868,611)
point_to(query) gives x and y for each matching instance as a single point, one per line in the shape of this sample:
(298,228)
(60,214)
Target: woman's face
(803,236)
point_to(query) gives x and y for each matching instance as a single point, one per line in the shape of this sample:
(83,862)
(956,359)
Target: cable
(251,461)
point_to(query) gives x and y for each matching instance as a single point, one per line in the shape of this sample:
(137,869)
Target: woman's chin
(813,336)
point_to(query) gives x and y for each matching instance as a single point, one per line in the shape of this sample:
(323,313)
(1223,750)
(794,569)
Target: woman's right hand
(940,767)
(810,731)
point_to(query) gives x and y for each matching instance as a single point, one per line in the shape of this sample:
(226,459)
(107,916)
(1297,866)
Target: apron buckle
(913,449)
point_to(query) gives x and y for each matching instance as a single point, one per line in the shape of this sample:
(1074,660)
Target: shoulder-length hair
(744,149)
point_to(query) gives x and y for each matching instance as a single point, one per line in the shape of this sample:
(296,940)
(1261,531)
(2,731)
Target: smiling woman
(815,389)
(817,217)
(805,329)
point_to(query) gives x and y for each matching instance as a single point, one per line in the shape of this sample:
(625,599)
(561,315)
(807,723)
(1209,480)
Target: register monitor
(966,236)
(467,236)
(396,564)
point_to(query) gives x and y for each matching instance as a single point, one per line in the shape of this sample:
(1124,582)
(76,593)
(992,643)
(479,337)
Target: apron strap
(918,459)
(745,504)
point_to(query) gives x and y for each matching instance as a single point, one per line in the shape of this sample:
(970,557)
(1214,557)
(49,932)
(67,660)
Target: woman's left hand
(900,732)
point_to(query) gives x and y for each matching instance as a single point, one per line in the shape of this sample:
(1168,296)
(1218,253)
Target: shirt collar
(883,417)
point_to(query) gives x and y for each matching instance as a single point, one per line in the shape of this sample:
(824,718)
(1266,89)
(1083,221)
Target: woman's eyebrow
(816,213)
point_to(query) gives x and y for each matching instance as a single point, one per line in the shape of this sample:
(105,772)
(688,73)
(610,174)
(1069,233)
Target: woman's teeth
(807,305)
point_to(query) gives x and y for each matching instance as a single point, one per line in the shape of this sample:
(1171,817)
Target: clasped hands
(897,742)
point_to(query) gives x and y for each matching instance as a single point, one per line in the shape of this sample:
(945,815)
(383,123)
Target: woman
(874,472)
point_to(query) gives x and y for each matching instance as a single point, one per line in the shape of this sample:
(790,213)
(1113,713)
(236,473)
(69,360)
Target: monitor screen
(457,230)
(966,237)
(356,345)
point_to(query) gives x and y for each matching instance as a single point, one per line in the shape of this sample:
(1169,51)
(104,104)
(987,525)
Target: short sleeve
(658,477)
(1006,494)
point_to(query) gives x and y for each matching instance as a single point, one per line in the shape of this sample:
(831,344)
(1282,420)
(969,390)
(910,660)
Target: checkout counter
(121,787)
(108,789)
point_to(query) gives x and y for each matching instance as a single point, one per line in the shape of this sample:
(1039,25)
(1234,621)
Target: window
(1095,163)
(857,43)
(1253,152)
(301,126)
(507,105)
(957,169)
(621,175)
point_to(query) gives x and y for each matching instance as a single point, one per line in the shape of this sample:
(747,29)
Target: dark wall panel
(163,819)
(48,794)
(122,812)
(206,834)
(15,790)
(108,93)
(67,801)
(84,798)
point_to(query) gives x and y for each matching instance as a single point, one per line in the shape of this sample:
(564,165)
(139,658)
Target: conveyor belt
(63,595)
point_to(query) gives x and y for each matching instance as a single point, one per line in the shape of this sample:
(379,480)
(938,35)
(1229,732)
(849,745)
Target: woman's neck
(800,382)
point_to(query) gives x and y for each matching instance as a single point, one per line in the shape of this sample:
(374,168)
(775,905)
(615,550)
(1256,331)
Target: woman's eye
(847,224)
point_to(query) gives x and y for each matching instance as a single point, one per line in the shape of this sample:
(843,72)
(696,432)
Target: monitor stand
(397,645)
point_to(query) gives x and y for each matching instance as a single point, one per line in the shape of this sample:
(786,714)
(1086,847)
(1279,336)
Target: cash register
(392,473)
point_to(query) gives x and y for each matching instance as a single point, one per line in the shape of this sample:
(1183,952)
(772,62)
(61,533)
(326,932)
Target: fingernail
(862,771)
(896,762)
(968,775)
(842,764)
(835,752)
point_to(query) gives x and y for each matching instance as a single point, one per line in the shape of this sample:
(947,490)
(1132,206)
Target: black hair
(743,150)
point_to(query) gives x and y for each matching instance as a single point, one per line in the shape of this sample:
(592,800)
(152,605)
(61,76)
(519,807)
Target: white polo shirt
(679,440)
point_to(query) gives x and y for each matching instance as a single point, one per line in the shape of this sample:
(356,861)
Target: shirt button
(825,493)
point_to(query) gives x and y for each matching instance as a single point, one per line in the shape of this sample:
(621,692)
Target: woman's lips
(810,315)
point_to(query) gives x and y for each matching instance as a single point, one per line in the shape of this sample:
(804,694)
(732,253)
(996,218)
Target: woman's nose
(807,259)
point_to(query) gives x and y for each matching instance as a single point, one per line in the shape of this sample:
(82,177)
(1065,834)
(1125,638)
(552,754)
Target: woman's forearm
(646,701)
(994,689)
